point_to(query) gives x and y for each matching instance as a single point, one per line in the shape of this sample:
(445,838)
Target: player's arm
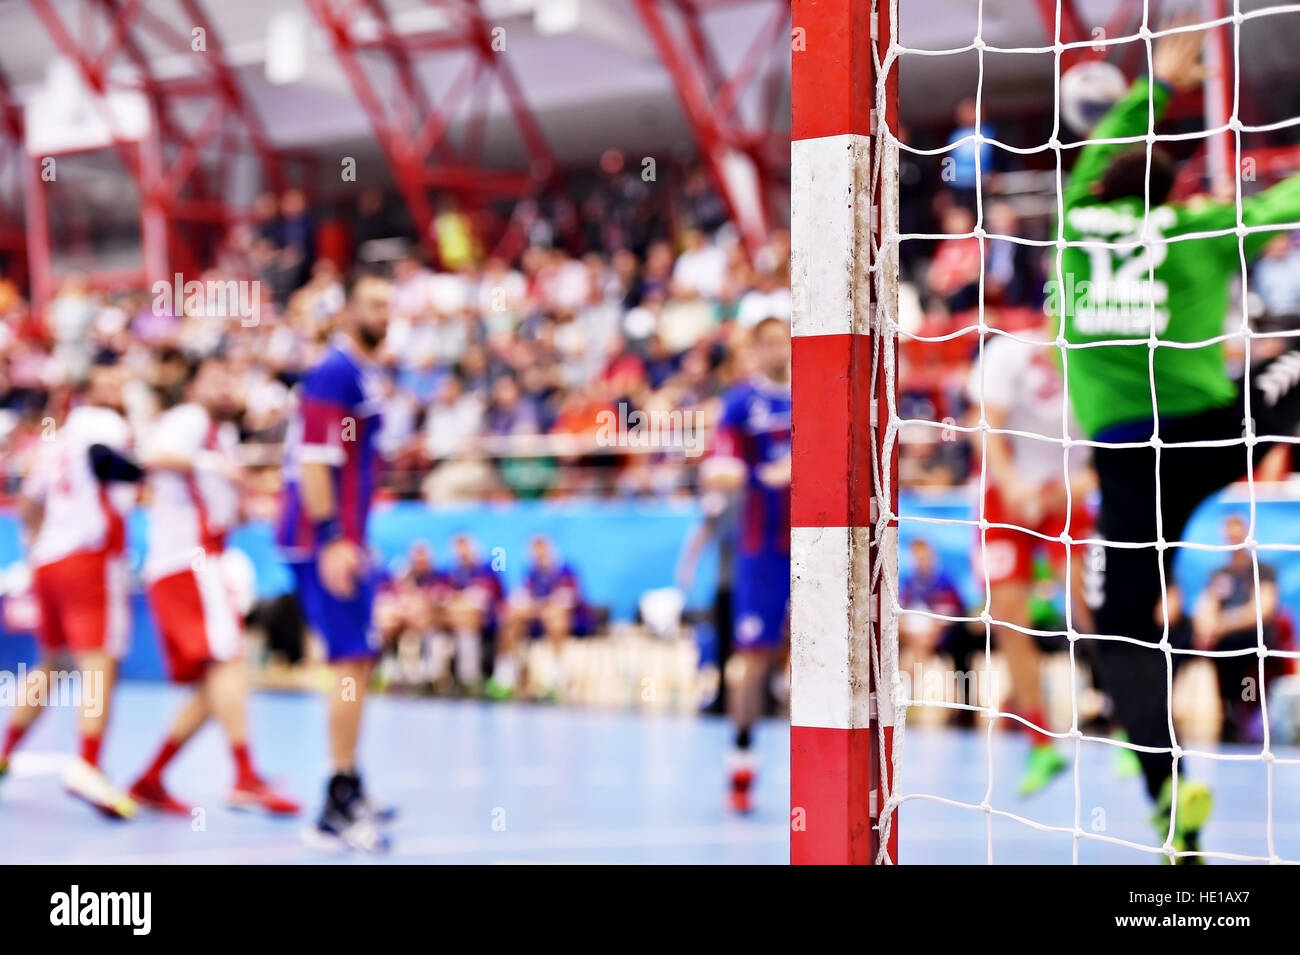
(992,386)
(1127,118)
(1243,617)
(1176,67)
(1002,468)
(111,466)
(340,558)
(31,498)
(1205,622)
(725,469)
(31,511)
(1277,205)
(320,454)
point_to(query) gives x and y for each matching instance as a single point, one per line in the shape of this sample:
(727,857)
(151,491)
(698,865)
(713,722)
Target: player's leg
(53,644)
(210,649)
(1125,586)
(30,704)
(556,617)
(148,789)
(178,614)
(746,673)
(347,819)
(465,614)
(95,617)
(225,686)
(1010,606)
(1007,560)
(762,602)
(83,779)
(513,637)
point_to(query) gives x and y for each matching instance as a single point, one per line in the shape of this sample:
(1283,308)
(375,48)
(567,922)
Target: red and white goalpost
(848,704)
(843,509)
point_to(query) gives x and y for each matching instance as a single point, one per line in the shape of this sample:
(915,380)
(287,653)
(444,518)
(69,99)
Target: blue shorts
(346,626)
(760,601)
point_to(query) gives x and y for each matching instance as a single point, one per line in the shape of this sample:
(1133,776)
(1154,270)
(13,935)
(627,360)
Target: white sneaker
(337,832)
(87,783)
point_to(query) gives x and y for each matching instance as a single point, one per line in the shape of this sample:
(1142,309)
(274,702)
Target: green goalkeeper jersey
(1114,295)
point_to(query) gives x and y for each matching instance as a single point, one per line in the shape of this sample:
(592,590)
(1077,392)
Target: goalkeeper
(1113,295)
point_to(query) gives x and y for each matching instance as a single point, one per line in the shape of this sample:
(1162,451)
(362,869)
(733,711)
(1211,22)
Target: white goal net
(1092,427)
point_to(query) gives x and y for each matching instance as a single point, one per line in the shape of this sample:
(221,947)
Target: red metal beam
(408,145)
(181,209)
(11,111)
(710,99)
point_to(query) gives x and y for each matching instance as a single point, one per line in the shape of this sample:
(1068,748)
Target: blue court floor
(481,783)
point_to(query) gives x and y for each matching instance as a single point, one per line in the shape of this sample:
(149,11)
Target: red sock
(12,738)
(244,772)
(90,749)
(1037,737)
(165,755)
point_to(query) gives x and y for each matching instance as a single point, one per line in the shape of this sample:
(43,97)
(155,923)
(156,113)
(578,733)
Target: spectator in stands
(372,224)
(1277,279)
(71,315)
(510,412)
(454,419)
(701,269)
(548,604)
(1232,615)
(767,297)
(405,618)
(471,598)
(960,173)
(954,275)
(926,587)
(1011,275)
(297,236)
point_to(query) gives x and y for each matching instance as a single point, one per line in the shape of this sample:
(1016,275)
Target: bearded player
(331,466)
(751,456)
(191,455)
(1018,386)
(73,502)
(1164,268)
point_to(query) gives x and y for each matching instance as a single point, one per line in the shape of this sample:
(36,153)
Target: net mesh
(884,259)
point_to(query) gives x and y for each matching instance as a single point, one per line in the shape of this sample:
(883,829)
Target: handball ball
(1088,91)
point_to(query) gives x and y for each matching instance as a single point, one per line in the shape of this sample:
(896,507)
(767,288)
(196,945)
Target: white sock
(469,658)
(506,671)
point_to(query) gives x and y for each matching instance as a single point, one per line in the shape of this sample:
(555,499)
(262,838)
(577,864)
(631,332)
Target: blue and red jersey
(542,582)
(934,592)
(463,576)
(755,429)
(336,423)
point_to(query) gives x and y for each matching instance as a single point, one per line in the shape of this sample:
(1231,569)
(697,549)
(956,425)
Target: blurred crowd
(498,362)
(632,296)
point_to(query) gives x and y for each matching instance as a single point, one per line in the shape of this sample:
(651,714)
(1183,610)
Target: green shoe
(1127,764)
(1194,805)
(1044,765)
(497,691)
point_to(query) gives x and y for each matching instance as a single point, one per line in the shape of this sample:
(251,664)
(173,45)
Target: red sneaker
(251,794)
(742,781)
(150,793)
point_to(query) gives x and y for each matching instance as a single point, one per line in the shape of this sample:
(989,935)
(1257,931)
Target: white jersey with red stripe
(80,513)
(1022,379)
(192,510)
